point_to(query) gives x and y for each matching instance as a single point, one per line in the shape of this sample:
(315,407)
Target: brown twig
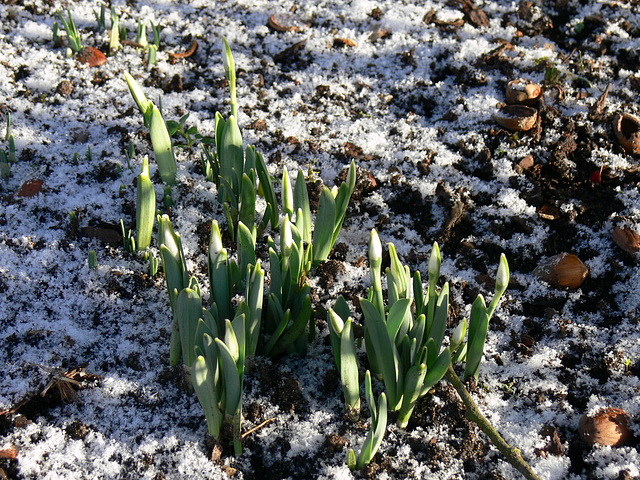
(257,427)
(474,415)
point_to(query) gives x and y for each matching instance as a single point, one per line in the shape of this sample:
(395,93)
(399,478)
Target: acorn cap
(608,426)
(564,270)
(286,22)
(522,91)
(627,129)
(516,117)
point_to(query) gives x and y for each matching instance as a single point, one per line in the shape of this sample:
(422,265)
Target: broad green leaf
(145,207)
(231,379)
(325,222)
(476,341)
(266,186)
(396,317)
(413,382)
(439,323)
(437,371)
(301,201)
(385,351)
(162,149)
(204,386)
(349,367)
(188,312)
(248,201)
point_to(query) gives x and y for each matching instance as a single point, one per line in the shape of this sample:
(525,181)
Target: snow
(55,312)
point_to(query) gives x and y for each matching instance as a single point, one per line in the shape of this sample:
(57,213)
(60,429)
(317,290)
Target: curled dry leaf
(627,129)
(523,92)
(286,22)
(193,46)
(92,56)
(564,270)
(626,239)
(516,117)
(607,427)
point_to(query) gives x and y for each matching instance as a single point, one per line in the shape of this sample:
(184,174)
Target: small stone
(526,163)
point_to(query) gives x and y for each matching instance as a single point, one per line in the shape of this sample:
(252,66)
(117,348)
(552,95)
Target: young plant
(128,239)
(92,260)
(141,36)
(215,343)
(344,352)
(375,435)
(176,276)
(114,37)
(189,134)
(289,305)
(145,207)
(406,352)
(160,138)
(101,17)
(73,36)
(5,168)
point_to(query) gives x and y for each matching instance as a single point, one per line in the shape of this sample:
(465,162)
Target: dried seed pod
(627,129)
(607,427)
(626,239)
(516,117)
(92,57)
(523,92)
(564,270)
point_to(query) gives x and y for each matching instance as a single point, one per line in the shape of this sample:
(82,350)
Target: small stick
(258,427)
(473,414)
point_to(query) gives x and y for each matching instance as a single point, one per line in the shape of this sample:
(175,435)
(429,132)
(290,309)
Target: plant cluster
(214,343)
(117,34)
(404,334)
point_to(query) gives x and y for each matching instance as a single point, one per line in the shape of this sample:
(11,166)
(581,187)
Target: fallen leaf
(31,188)
(92,56)
(174,57)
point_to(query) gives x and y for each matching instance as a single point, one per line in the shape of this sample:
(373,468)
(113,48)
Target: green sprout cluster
(404,332)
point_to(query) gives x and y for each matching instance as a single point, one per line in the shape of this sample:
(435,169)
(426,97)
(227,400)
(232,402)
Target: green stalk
(162,149)
(473,414)
(145,207)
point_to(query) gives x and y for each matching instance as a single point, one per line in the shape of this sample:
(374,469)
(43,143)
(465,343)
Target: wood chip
(549,212)
(174,57)
(344,42)
(597,109)
(9,453)
(378,34)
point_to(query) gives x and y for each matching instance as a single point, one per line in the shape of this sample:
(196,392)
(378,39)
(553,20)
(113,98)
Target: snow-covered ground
(411,100)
